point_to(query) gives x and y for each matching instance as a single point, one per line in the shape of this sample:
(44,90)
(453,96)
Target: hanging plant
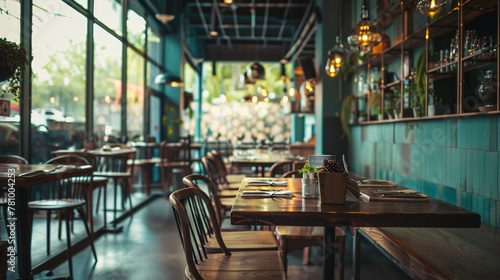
(13,61)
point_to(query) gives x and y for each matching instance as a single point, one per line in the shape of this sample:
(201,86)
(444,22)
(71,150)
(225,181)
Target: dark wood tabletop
(260,158)
(310,212)
(42,173)
(21,178)
(299,211)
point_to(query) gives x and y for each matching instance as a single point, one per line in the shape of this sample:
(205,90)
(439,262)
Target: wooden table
(114,164)
(259,159)
(9,176)
(310,212)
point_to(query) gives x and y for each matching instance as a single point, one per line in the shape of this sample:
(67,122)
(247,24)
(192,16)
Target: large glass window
(9,125)
(107,85)
(136,30)
(154,46)
(59,68)
(109,12)
(135,94)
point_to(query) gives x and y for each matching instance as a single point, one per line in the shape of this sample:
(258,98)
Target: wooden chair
(191,222)
(3,189)
(221,165)
(291,238)
(292,174)
(222,204)
(173,156)
(212,171)
(71,197)
(98,182)
(240,240)
(119,167)
(280,168)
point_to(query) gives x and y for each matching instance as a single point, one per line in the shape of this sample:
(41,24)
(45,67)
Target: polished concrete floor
(149,248)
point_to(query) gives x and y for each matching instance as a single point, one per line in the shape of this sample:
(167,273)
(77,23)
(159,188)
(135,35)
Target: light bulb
(431,8)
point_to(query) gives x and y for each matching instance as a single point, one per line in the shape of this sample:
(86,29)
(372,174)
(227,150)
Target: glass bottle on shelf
(467,42)
(452,54)
(445,60)
(441,60)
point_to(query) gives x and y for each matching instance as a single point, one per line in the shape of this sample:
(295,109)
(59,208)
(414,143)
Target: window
(107,84)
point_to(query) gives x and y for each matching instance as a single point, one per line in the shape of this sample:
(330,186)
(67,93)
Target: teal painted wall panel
(449,195)
(490,174)
(473,133)
(387,133)
(456,160)
(403,132)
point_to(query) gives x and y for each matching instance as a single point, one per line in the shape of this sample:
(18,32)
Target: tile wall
(456,160)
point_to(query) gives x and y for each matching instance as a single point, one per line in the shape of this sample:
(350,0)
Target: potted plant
(332,182)
(14,60)
(308,180)
(346,114)
(374,107)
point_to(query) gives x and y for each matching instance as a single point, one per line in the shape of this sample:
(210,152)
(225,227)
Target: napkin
(267,182)
(376,183)
(393,195)
(286,194)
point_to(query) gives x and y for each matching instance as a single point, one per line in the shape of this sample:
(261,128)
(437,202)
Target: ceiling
(263,30)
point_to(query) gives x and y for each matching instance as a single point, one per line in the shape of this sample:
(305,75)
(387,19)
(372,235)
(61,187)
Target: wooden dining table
(299,211)
(20,179)
(260,158)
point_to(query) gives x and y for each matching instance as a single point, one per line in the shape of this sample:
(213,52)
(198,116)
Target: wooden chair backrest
(292,174)
(194,180)
(75,187)
(212,170)
(192,207)
(174,152)
(13,159)
(280,168)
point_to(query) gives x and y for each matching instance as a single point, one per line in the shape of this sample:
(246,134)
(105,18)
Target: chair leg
(129,180)
(68,241)
(306,253)
(115,200)
(49,213)
(98,200)
(341,253)
(284,252)
(89,233)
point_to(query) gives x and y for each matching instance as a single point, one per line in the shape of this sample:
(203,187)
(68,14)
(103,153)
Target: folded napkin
(393,195)
(286,194)
(267,182)
(376,183)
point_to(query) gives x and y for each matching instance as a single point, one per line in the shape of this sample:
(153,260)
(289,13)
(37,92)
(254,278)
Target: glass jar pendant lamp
(364,35)
(336,57)
(431,8)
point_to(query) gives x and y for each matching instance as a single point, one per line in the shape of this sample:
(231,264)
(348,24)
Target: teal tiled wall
(456,160)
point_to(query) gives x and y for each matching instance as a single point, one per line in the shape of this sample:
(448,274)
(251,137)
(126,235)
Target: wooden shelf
(434,35)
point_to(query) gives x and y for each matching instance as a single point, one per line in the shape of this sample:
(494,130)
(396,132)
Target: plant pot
(6,73)
(332,187)
(308,187)
(4,107)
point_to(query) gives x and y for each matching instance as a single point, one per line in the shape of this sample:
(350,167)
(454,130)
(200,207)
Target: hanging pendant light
(256,71)
(364,35)
(336,57)
(431,8)
(168,79)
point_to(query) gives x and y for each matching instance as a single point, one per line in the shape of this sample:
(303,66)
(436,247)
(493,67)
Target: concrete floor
(149,248)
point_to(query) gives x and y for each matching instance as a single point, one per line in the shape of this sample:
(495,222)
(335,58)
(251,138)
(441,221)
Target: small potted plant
(14,60)
(332,182)
(308,180)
